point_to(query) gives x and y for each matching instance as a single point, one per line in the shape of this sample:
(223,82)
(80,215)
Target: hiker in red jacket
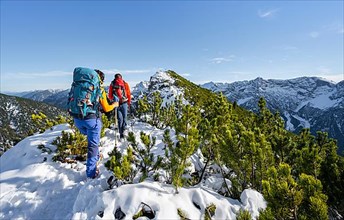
(119,90)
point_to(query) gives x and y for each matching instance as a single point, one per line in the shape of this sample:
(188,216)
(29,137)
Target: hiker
(120,89)
(86,97)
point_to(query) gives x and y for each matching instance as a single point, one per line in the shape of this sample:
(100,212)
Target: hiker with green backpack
(86,98)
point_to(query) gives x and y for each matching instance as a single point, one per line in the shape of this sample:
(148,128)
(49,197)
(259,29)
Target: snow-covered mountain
(15,120)
(41,95)
(56,97)
(162,82)
(35,187)
(305,102)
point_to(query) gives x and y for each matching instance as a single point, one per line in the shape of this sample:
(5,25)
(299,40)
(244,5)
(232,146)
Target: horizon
(203,41)
(67,88)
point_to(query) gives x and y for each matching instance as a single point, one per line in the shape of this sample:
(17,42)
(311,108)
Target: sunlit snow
(34,187)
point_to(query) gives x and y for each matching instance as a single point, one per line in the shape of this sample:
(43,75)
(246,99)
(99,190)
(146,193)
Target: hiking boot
(97,174)
(112,182)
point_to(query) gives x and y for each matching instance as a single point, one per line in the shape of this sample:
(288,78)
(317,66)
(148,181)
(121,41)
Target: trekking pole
(116,127)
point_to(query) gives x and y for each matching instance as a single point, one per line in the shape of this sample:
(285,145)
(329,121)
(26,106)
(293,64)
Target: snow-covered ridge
(35,187)
(40,95)
(162,82)
(299,90)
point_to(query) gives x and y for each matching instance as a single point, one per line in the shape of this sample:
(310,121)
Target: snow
(301,105)
(169,95)
(252,201)
(13,125)
(164,84)
(243,101)
(289,125)
(303,121)
(323,101)
(32,186)
(162,76)
(12,108)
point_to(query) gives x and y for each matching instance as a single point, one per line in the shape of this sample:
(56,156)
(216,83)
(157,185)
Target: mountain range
(305,102)
(16,122)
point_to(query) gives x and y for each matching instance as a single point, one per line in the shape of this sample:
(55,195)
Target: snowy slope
(34,187)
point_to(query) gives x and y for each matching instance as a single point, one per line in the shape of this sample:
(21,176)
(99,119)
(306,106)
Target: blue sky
(222,41)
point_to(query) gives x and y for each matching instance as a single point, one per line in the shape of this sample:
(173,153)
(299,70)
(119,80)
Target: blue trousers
(91,128)
(122,112)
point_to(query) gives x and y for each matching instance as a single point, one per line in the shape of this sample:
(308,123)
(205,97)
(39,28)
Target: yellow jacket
(104,103)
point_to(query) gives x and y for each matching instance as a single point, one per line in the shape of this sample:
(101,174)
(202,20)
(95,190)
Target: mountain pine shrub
(44,149)
(188,141)
(282,193)
(243,215)
(105,124)
(170,161)
(41,122)
(143,108)
(72,145)
(209,211)
(122,165)
(182,214)
(144,160)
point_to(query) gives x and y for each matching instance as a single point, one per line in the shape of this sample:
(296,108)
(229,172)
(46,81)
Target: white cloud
(327,73)
(58,73)
(186,74)
(288,48)
(323,69)
(335,27)
(22,75)
(314,34)
(218,60)
(134,71)
(334,78)
(267,13)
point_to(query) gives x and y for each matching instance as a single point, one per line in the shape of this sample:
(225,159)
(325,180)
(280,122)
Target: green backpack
(84,94)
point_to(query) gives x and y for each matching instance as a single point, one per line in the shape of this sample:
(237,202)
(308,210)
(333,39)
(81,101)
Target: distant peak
(161,76)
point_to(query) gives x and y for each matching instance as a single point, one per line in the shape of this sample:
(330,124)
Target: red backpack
(121,89)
